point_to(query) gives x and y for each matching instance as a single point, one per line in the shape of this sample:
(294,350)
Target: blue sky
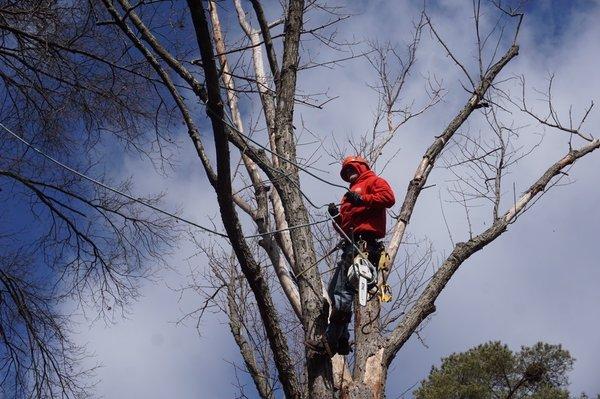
(551,18)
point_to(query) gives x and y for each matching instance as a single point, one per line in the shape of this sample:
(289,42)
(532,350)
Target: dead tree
(64,239)
(256,165)
(273,166)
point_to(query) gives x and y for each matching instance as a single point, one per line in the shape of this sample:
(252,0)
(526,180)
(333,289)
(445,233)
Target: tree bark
(236,325)
(260,217)
(369,374)
(250,268)
(314,306)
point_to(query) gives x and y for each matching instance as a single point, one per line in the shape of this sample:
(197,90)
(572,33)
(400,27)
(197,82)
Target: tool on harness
(385,291)
(384,261)
(361,273)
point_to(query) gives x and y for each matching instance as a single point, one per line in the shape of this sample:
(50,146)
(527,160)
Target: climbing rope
(384,289)
(142,202)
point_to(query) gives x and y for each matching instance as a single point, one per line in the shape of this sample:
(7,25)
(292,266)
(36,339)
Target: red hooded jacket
(369,217)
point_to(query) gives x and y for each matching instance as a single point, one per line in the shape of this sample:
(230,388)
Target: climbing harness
(383,289)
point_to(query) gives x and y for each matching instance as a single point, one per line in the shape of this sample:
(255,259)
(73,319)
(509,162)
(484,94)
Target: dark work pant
(341,292)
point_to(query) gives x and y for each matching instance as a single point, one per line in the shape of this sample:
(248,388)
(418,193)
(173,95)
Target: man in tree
(361,222)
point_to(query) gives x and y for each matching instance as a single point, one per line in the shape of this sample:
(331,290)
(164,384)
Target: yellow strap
(385,293)
(384,261)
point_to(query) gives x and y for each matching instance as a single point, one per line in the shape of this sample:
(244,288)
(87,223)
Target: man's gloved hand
(333,210)
(354,198)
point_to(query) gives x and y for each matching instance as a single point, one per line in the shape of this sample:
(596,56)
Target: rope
(232,127)
(287,229)
(338,246)
(332,250)
(141,202)
(343,233)
(206,229)
(114,190)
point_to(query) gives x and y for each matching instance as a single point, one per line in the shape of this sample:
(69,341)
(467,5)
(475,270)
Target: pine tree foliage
(493,370)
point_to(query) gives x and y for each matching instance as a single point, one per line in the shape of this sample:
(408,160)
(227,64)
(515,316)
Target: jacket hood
(356,163)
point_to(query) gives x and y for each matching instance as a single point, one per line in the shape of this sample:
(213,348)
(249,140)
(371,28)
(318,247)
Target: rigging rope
(144,203)
(187,221)
(230,125)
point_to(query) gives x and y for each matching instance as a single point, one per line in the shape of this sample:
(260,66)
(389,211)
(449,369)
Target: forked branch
(422,173)
(425,305)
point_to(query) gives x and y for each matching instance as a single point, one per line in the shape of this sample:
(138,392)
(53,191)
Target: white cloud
(537,282)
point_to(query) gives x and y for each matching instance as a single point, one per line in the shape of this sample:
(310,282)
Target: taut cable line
(142,202)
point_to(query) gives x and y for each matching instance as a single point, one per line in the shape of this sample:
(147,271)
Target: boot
(343,347)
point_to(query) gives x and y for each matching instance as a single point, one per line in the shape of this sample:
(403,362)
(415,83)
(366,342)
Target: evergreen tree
(492,370)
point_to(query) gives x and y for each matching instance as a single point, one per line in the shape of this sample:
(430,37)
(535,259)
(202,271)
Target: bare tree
(268,277)
(65,239)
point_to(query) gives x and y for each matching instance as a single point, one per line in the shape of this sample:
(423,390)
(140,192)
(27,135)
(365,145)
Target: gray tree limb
(425,305)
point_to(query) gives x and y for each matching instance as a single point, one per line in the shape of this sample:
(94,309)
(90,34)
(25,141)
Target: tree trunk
(372,387)
(314,306)
(369,373)
(250,268)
